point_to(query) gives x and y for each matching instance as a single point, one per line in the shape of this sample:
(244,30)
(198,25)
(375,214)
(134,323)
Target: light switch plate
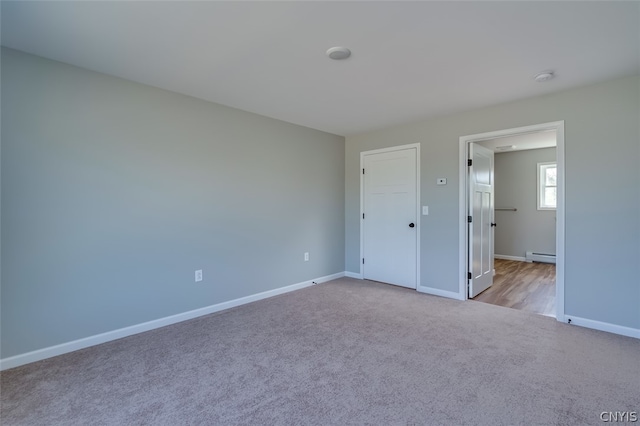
(441,181)
(425,210)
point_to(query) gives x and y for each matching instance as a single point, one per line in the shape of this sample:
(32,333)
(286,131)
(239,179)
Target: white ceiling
(525,141)
(411,60)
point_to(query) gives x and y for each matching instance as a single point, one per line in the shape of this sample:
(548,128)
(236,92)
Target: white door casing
(463,206)
(390,227)
(481,190)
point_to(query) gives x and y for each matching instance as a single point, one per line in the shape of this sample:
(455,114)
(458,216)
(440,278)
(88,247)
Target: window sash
(547,186)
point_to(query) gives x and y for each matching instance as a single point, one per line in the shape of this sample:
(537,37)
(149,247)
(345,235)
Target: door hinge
(468,275)
(363,215)
(469,219)
(362,171)
(363,260)
(469,162)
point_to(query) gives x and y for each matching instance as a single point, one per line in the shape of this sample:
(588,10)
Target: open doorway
(513,247)
(524,222)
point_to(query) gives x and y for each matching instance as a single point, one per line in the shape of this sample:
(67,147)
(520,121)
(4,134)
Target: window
(547,186)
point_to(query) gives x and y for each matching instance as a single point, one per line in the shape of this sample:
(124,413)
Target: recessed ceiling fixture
(544,76)
(506,148)
(338,53)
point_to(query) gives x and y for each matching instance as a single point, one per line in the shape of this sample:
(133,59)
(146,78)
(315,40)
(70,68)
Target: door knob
(411,225)
(493,224)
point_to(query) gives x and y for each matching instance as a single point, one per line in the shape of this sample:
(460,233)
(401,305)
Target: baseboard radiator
(533,256)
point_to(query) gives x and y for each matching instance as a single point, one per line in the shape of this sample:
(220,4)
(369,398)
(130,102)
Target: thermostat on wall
(441,181)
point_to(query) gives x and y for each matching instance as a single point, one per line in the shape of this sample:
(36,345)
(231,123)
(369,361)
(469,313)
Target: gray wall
(114,193)
(516,177)
(602,147)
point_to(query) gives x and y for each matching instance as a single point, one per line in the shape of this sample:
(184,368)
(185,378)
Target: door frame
(418,209)
(463,203)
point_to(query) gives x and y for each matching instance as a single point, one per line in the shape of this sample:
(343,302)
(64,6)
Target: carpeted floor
(344,352)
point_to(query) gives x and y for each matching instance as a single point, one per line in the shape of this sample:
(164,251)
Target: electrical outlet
(306,257)
(199,275)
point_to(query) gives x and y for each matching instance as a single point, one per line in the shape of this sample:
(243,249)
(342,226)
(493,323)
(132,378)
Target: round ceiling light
(338,53)
(544,76)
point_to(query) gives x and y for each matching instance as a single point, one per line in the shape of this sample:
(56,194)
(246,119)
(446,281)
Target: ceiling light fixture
(544,76)
(506,148)
(338,53)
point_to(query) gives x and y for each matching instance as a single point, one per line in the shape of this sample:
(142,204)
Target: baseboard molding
(439,292)
(353,275)
(40,354)
(320,280)
(505,257)
(603,326)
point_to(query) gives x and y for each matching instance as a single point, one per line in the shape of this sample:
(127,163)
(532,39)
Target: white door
(481,214)
(390,228)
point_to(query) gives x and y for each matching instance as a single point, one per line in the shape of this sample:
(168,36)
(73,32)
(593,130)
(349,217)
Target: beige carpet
(344,352)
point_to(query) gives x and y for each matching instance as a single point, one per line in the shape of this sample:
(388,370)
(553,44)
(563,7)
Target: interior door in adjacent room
(481,188)
(389,216)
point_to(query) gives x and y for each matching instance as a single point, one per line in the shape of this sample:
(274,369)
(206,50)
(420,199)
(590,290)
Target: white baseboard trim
(320,280)
(439,292)
(505,257)
(40,354)
(603,326)
(353,275)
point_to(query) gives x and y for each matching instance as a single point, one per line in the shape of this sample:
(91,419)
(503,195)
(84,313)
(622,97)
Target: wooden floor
(521,285)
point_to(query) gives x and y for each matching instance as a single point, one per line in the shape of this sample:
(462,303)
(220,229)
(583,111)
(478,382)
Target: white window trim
(542,186)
